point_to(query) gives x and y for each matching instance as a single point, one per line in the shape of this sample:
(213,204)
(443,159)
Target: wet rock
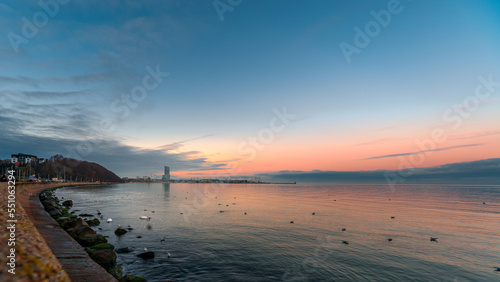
(131,278)
(120,231)
(124,250)
(55,212)
(148,254)
(103,246)
(89,240)
(93,222)
(105,258)
(86,215)
(81,230)
(67,203)
(116,271)
(63,219)
(74,223)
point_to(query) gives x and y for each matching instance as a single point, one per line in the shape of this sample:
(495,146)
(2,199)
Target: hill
(58,166)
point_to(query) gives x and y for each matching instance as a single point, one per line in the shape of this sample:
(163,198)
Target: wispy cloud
(423,151)
(475,135)
(176,145)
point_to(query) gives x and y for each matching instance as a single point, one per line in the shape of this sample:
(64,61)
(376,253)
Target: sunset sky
(212,89)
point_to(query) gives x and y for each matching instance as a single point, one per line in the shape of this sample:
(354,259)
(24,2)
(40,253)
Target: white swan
(145,217)
(109,220)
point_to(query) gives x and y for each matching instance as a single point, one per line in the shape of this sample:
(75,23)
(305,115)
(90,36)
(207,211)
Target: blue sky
(226,77)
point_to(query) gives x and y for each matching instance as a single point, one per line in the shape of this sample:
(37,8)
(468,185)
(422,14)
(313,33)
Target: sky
(251,88)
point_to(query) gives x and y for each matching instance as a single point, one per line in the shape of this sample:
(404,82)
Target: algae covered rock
(93,222)
(105,258)
(67,203)
(120,231)
(81,230)
(75,222)
(103,246)
(89,240)
(116,271)
(55,212)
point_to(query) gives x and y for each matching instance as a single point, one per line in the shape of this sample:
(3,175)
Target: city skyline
(253,88)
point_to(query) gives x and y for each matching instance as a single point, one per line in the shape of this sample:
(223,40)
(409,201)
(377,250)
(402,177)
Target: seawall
(43,250)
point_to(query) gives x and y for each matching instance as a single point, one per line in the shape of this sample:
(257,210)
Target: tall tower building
(166,175)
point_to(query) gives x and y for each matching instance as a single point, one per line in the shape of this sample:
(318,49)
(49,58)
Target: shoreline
(43,249)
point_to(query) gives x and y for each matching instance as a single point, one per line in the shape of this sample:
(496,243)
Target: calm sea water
(213,239)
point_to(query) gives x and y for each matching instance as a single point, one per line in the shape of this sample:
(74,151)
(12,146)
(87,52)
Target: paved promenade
(68,253)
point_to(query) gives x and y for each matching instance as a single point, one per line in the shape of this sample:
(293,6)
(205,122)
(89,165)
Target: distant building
(23,158)
(166,175)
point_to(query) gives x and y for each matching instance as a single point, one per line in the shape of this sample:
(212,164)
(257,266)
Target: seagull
(434,239)
(98,212)
(109,220)
(119,226)
(145,249)
(162,239)
(168,255)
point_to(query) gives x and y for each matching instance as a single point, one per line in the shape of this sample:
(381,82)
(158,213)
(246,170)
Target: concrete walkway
(72,257)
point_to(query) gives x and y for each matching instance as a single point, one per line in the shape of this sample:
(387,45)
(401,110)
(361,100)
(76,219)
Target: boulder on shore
(81,230)
(120,231)
(116,271)
(63,219)
(89,240)
(67,203)
(75,222)
(105,258)
(93,222)
(103,246)
(55,212)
